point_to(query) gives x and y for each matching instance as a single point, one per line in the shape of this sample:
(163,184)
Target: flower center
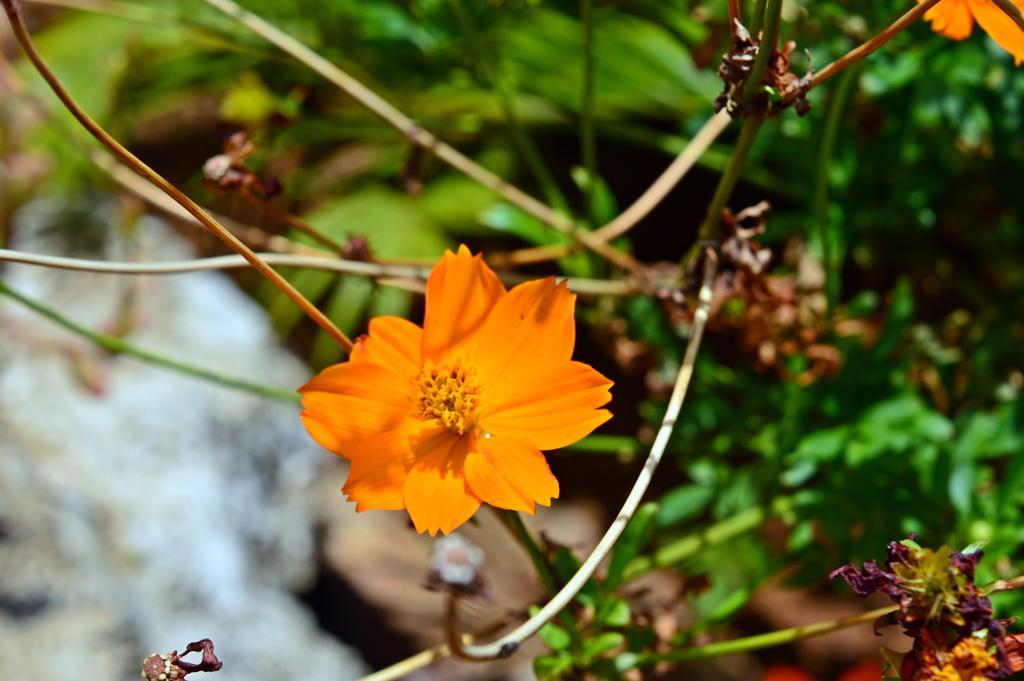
(448,393)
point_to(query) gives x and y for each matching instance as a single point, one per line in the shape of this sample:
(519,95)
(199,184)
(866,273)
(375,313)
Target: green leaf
(552,667)
(602,644)
(682,504)
(613,612)
(555,637)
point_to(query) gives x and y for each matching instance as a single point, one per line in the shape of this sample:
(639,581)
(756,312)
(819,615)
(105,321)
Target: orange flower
(955,19)
(441,419)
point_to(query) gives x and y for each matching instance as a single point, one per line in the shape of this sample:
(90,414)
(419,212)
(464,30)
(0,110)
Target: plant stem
(116,345)
(133,162)
(735,16)
(757,18)
(727,183)
(766,46)
(514,522)
(772,13)
(769,640)
(830,256)
(588,147)
(408,277)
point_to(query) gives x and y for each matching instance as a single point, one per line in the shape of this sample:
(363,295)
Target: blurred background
(869,390)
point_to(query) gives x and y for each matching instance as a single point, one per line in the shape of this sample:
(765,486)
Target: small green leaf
(626,661)
(614,612)
(604,643)
(555,637)
(552,667)
(682,504)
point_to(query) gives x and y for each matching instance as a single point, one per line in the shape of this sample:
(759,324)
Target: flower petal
(531,328)
(510,473)
(461,291)
(349,401)
(392,342)
(436,494)
(554,409)
(951,18)
(1000,27)
(380,465)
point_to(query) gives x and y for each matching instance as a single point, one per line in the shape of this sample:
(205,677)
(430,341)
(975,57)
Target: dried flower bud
(455,565)
(170,666)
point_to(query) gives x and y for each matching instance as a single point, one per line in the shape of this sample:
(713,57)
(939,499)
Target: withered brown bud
(170,666)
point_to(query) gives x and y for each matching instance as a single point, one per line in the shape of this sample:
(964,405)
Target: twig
(423,659)
(409,277)
(727,183)
(118,346)
(422,137)
(735,16)
(640,208)
(509,643)
(861,51)
(129,159)
(769,640)
(681,165)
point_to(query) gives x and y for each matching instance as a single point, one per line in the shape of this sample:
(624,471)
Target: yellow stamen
(448,393)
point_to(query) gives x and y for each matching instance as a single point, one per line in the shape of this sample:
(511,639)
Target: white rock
(163,509)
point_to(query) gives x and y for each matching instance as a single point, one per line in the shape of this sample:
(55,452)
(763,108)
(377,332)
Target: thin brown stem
(872,45)
(133,162)
(640,208)
(735,16)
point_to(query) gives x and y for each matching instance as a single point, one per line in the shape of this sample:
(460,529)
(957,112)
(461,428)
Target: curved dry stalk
(420,136)
(133,162)
(409,277)
(661,187)
(509,643)
(639,209)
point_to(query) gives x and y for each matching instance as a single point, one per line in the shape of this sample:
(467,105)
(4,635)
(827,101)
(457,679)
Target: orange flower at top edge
(955,19)
(441,419)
